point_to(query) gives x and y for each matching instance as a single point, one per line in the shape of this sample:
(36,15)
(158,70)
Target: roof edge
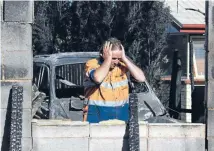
(194,26)
(176,22)
(192,31)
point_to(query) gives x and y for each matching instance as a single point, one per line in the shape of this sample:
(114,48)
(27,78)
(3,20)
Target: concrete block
(27,144)
(107,130)
(210,123)
(5,93)
(113,144)
(59,129)
(210,144)
(177,130)
(26,124)
(22,9)
(5,123)
(1,10)
(210,101)
(211,63)
(16,36)
(60,144)
(17,65)
(179,144)
(114,130)
(1,73)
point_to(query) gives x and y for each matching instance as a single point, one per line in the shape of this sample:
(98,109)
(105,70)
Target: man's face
(116,57)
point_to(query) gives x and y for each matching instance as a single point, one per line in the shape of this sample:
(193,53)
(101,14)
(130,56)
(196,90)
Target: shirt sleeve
(90,68)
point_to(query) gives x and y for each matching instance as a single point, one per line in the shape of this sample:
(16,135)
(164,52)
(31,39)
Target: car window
(41,77)
(69,80)
(141,87)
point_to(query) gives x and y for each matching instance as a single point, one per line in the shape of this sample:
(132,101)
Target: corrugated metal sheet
(71,72)
(182,16)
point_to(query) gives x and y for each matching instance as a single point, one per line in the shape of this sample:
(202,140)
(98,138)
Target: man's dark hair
(116,44)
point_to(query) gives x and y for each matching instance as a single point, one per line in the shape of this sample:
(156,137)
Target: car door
(148,103)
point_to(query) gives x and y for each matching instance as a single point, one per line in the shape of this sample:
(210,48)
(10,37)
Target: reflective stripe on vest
(114,85)
(108,103)
(107,85)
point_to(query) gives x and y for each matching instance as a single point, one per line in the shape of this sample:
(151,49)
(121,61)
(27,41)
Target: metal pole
(191,69)
(175,88)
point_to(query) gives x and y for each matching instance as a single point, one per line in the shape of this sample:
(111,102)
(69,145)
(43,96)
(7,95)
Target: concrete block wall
(210,77)
(114,137)
(16,66)
(61,135)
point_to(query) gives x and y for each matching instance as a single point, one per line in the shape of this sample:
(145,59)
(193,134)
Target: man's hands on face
(107,53)
(102,71)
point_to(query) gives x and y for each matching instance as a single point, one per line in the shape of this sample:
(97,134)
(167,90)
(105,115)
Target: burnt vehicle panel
(60,78)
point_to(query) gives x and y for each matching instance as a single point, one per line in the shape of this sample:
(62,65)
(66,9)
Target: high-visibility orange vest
(112,91)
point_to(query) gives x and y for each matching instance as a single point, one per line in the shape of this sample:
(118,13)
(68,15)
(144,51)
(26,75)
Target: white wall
(61,135)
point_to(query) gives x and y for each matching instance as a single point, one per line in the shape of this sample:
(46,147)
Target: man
(106,83)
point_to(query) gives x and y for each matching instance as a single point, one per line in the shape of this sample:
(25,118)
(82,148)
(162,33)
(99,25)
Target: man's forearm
(135,71)
(101,72)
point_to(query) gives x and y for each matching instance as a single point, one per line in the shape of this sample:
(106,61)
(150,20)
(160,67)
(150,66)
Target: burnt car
(58,91)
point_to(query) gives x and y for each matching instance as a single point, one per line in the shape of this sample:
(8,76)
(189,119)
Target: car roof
(65,58)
